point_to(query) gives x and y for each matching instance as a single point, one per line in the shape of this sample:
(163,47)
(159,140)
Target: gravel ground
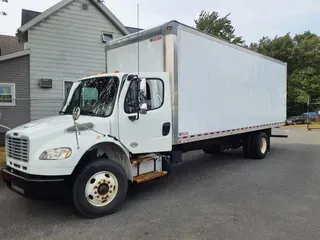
(206,197)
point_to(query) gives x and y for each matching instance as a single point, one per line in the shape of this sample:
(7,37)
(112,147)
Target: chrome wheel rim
(263,145)
(101,188)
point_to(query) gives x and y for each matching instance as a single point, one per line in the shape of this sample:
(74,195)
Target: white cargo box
(218,88)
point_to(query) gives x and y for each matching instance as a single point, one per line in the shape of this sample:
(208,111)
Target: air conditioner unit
(45,83)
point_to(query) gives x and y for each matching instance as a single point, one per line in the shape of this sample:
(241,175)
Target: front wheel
(99,188)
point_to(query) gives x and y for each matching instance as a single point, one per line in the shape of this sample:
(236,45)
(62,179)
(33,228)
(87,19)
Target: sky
(252,19)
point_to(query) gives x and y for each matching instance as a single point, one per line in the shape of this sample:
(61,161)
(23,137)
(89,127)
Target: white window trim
(13,93)
(106,33)
(64,87)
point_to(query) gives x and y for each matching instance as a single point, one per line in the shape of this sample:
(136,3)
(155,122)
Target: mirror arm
(76,132)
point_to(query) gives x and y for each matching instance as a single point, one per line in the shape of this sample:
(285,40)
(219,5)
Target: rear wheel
(99,188)
(256,146)
(259,145)
(247,148)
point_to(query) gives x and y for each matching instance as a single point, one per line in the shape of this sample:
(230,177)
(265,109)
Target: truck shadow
(200,167)
(197,166)
(194,166)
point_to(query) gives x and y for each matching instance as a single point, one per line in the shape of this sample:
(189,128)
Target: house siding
(9,44)
(16,71)
(65,47)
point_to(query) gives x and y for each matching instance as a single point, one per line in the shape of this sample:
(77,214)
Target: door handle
(166,128)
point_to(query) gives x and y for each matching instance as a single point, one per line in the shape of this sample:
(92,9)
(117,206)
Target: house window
(7,94)
(84,7)
(106,37)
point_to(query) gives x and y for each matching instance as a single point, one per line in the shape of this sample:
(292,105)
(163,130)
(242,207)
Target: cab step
(149,176)
(139,160)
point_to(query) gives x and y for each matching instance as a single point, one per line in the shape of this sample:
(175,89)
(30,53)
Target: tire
(99,188)
(246,148)
(259,145)
(214,149)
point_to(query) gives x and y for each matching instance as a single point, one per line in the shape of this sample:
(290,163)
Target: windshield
(94,96)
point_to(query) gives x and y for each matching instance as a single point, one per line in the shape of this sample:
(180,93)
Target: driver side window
(155,96)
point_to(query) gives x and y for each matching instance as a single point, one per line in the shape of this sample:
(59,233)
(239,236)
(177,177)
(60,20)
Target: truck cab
(111,129)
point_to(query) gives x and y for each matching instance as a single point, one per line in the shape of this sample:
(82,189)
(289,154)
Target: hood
(45,122)
(49,121)
(60,122)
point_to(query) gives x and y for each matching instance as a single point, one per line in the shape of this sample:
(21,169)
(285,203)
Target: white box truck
(168,90)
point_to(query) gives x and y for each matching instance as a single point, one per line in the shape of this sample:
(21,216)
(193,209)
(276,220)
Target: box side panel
(222,88)
(126,58)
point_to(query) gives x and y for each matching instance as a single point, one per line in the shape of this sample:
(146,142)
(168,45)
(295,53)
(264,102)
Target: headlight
(56,154)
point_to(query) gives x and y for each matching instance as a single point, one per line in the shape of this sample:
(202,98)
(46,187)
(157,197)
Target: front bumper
(31,185)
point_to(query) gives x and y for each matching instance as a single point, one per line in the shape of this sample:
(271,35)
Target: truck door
(150,132)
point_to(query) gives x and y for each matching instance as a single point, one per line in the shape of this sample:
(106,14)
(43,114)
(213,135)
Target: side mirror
(142,97)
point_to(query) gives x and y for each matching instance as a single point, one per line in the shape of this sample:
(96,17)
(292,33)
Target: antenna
(138,38)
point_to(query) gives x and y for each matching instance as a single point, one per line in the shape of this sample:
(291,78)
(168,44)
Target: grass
(2,156)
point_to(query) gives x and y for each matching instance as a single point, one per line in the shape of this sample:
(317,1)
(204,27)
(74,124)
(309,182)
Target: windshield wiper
(83,112)
(88,113)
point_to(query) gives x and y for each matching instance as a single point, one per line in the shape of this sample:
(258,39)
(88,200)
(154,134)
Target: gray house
(51,50)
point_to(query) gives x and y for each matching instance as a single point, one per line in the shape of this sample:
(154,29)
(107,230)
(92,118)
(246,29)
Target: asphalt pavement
(205,197)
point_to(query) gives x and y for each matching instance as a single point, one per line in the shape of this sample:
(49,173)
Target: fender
(114,151)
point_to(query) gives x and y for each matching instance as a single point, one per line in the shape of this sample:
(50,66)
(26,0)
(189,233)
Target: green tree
(215,25)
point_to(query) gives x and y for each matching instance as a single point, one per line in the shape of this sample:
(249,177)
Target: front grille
(17,148)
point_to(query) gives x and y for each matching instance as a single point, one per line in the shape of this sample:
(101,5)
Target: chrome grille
(17,148)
